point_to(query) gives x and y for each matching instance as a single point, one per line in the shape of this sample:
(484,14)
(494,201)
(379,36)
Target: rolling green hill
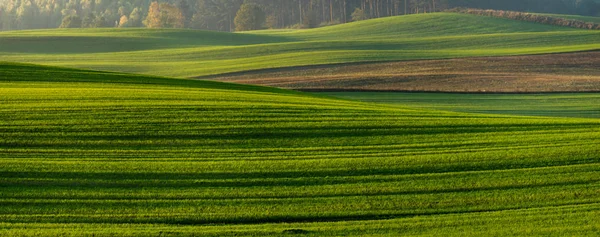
(419,26)
(185,53)
(110,154)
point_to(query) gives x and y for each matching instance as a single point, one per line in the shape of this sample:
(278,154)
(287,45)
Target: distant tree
(587,7)
(418,6)
(2,12)
(359,15)
(68,12)
(89,21)
(111,16)
(123,21)
(272,21)
(220,14)
(207,16)
(186,11)
(88,6)
(135,18)
(74,5)
(153,18)
(164,15)
(198,22)
(171,16)
(123,11)
(71,22)
(26,15)
(228,10)
(249,17)
(200,18)
(309,19)
(101,22)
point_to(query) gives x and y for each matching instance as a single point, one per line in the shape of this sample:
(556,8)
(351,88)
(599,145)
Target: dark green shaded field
(85,153)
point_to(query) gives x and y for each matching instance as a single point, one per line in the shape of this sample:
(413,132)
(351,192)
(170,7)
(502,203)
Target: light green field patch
(553,105)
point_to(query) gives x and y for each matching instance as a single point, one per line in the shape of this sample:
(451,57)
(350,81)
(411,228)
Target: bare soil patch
(569,72)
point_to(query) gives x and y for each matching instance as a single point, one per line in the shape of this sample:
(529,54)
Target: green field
(97,153)
(105,154)
(585,105)
(188,53)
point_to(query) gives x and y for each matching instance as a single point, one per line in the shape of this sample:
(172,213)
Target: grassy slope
(553,105)
(29,72)
(105,153)
(195,53)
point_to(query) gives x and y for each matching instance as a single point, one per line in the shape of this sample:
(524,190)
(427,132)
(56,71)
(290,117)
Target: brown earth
(570,72)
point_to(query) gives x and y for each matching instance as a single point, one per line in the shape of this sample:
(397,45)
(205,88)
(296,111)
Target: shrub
(359,15)
(329,23)
(297,26)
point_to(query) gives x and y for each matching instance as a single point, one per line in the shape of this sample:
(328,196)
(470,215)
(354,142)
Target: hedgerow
(531,17)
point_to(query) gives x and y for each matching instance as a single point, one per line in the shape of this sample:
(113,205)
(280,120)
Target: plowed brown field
(570,72)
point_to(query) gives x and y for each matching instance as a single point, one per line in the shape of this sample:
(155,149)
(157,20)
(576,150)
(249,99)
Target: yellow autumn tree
(171,16)
(123,21)
(153,18)
(164,15)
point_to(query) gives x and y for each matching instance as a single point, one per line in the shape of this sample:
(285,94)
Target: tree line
(231,15)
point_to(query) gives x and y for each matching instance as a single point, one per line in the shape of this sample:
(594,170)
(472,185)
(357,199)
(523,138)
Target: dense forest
(231,15)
